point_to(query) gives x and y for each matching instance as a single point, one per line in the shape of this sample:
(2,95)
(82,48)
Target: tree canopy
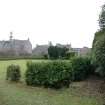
(56,52)
(102,18)
(99,43)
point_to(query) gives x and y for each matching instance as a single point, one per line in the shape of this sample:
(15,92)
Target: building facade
(40,50)
(15,47)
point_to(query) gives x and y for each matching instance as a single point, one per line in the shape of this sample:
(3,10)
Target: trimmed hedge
(57,74)
(22,57)
(54,74)
(13,73)
(81,68)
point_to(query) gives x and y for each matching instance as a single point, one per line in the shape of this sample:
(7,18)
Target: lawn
(79,93)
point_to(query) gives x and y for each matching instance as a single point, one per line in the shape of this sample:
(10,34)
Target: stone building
(40,50)
(81,51)
(14,47)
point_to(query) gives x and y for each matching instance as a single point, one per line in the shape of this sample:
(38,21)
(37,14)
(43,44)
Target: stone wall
(40,50)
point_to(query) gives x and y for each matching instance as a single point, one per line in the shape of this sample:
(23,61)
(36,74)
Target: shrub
(70,55)
(54,74)
(81,68)
(13,73)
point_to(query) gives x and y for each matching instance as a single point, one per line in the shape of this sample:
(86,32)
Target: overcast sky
(59,21)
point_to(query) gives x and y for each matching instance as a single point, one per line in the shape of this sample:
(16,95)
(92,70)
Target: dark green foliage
(99,71)
(102,18)
(53,54)
(98,35)
(54,74)
(81,68)
(13,73)
(56,52)
(99,53)
(98,49)
(63,51)
(45,56)
(23,57)
(70,55)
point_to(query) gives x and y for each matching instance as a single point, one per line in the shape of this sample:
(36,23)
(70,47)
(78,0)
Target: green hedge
(13,73)
(57,74)
(81,68)
(53,74)
(22,57)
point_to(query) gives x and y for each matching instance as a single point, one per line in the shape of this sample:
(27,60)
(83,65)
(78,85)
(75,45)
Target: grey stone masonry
(15,47)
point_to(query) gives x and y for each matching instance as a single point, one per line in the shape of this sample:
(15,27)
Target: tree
(56,52)
(99,44)
(101,31)
(99,54)
(102,18)
(52,52)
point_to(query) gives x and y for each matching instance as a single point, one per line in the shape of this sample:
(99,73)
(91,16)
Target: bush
(54,74)
(13,73)
(81,68)
(70,55)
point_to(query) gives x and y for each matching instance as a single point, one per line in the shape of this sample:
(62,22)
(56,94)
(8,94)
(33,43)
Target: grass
(20,94)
